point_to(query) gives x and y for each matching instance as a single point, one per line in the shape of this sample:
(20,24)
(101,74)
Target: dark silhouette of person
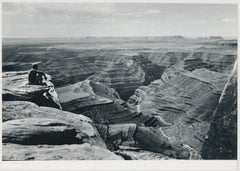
(36,77)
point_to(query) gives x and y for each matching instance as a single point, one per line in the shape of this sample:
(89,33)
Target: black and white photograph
(119,81)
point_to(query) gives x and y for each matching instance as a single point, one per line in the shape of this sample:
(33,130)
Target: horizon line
(162,36)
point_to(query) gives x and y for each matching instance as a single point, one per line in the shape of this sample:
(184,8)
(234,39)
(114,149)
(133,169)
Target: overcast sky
(29,20)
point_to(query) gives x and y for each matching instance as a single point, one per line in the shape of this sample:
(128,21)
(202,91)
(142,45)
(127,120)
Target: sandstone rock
(15,88)
(118,134)
(156,141)
(56,152)
(79,95)
(153,140)
(84,126)
(33,131)
(132,141)
(221,141)
(192,134)
(105,91)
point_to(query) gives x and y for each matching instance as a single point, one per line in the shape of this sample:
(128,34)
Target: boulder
(117,134)
(57,152)
(32,131)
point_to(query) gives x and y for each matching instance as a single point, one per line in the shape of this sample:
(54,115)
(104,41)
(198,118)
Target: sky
(48,20)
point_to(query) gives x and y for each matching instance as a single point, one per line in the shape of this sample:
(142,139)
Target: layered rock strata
(124,76)
(183,99)
(221,140)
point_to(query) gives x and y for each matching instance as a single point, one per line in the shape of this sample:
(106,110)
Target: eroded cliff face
(221,140)
(122,74)
(125,73)
(102,104)
(185,99)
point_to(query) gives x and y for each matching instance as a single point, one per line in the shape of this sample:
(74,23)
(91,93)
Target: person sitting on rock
(36,77)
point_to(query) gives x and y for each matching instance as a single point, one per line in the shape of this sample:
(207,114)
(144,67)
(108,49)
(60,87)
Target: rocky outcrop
(91,99)
(15,87)
(57,152)
(85,129)
(32,131)
(79,95)
(31,127)
(221,140)
(117,134)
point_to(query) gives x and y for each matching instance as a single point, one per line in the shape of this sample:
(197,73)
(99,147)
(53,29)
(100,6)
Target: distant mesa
(210,38)
(216,37)
(174,37)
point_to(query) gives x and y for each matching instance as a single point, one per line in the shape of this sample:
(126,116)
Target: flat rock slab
(83,125)
(38,131)
(15,87)
(60,152)
(80,95)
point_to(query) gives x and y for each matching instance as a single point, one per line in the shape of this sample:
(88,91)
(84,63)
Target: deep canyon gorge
(132,98)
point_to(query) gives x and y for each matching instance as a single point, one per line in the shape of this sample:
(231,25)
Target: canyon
(148,98)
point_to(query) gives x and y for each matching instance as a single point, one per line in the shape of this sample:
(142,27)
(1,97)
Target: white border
(184,165)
